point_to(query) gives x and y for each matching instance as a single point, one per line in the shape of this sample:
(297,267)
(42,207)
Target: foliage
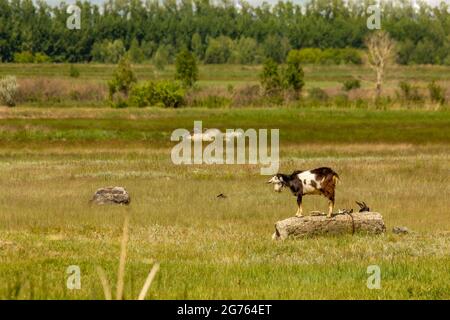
(73,71)
(219,50)
(135,53)
(123,78)
(8,91)
(437,93)
(29,57)
(150,93)
(24,57)
(271,80)
(409,92)
(161,57)
(186,68)
(421,30)
(108,51)
(351,84)
(293,75)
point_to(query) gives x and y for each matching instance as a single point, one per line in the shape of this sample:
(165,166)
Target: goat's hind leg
(299,204)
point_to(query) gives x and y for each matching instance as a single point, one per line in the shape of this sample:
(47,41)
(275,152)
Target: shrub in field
(409,92)
(186,68)
(349,85)
(271,79)
(307,55)
(293,74)
(150,93)
(41,58)
(350,56)
(317,94)
(73,72)
(169,93)
(8,91)
(24,57)
(437,93)
(123,78)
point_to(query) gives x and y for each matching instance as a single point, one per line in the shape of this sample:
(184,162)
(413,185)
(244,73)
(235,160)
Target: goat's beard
(278,187)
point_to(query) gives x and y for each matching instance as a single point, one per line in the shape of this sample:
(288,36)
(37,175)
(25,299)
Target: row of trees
(214,31)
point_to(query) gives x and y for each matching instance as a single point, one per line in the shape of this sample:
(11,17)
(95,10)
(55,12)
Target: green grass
(52,161)
(296,125)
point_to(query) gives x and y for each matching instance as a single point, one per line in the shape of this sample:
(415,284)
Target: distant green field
(155,125)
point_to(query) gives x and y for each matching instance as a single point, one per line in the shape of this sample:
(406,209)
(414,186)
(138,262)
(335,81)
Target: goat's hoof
(299,215)
(329,216)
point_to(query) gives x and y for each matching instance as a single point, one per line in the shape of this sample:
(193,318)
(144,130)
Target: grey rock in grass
(310,226)
(111,195)
(400,230)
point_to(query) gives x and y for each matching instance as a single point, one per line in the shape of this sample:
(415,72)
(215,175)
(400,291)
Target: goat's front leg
(330,205)
(299,204)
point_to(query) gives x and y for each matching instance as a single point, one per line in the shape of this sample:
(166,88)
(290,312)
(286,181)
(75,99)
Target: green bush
(271,79)
(349,85)
(73,72)
(293,74)
(186,68)
(150,93)
(437,93)
(409,92)
(8,91)
(24,57)
(123,78)
(41,58)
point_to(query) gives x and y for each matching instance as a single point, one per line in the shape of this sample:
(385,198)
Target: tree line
(218,32)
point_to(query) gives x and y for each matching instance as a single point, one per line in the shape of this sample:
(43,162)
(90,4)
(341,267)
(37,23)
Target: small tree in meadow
(123,80)
(270,78)
(381,51)
(293,75)
(186,68)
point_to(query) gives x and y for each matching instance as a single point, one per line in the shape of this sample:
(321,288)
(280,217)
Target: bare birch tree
(381,51)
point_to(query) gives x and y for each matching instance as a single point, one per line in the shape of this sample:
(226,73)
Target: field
(53,159)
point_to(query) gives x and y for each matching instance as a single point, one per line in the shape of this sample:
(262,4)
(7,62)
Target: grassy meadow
(53,159)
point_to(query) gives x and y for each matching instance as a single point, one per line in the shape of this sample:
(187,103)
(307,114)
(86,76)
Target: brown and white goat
(320,181)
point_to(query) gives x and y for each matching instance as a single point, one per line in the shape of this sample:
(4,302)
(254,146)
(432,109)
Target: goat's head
(278,182)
